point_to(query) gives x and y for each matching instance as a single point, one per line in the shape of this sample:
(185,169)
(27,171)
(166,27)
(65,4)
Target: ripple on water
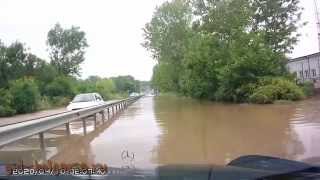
(297,117)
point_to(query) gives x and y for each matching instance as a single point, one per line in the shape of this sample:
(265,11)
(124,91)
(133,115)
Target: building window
(314,73)
(301,74)
(306,73)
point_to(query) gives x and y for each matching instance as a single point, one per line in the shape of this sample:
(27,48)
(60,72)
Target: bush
(61,86)
(44,75)
(6,111)
(106,88)
(264,95)
(25,95)
(308,88)
(85,86)
(272,89)
(44,103)
(59,101)
(5,103)
(52,102)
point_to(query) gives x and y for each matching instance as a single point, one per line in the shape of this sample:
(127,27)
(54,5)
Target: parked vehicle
(134,94)
(81,101)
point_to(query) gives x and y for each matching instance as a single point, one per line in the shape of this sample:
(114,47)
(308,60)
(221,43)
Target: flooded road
(168,130)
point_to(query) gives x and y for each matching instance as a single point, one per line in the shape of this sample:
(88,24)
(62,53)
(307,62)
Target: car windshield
(83,98)
(144,84)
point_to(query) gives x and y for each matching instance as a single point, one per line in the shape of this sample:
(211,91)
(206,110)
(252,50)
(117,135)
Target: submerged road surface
(169,130)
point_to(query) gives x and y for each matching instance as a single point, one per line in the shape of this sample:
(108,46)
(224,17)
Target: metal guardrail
(14,132)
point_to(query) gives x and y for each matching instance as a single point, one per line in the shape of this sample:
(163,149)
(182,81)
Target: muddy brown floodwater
(168,130)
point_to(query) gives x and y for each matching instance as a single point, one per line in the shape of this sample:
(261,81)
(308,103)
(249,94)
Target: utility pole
(318,20)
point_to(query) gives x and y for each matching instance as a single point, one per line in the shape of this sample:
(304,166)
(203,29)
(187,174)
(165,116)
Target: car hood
(81,105)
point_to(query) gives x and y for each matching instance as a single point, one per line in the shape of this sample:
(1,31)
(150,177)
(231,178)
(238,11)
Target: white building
(306,68)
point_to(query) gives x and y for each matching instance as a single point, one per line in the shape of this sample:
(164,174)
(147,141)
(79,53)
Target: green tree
(278,20)
(32,65)
(126,84)
(225,18)
(45,73)
(106,88)
(12,62)
(6,103)
(93,78)
(166,36)
(222,49)
(16,62)
(85,86)
(3,66)
(200,66)
(162,78)
(67,49)
(62,86)
(25,95)
(249,60)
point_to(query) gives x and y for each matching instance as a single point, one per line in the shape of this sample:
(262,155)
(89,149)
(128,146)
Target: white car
(85,100)
(134,94)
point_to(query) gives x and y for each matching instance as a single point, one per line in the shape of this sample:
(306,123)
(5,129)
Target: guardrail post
(42,146)
(68,128)
(95,121)
(108,113)
(103,117)
(84,125)
(42,143)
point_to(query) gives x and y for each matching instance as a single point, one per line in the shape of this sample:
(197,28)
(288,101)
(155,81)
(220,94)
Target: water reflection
(182,131)
(198,132)
(305,123)
(60,147)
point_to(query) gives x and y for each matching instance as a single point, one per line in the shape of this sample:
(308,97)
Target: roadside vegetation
(226,50)
(29,83)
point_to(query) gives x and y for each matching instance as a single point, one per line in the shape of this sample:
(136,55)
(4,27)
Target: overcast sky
(113,29)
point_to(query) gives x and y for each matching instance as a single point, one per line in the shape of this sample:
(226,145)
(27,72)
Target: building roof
(304,57)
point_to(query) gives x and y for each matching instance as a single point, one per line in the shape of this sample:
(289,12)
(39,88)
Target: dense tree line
(29,83)
(228,50)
